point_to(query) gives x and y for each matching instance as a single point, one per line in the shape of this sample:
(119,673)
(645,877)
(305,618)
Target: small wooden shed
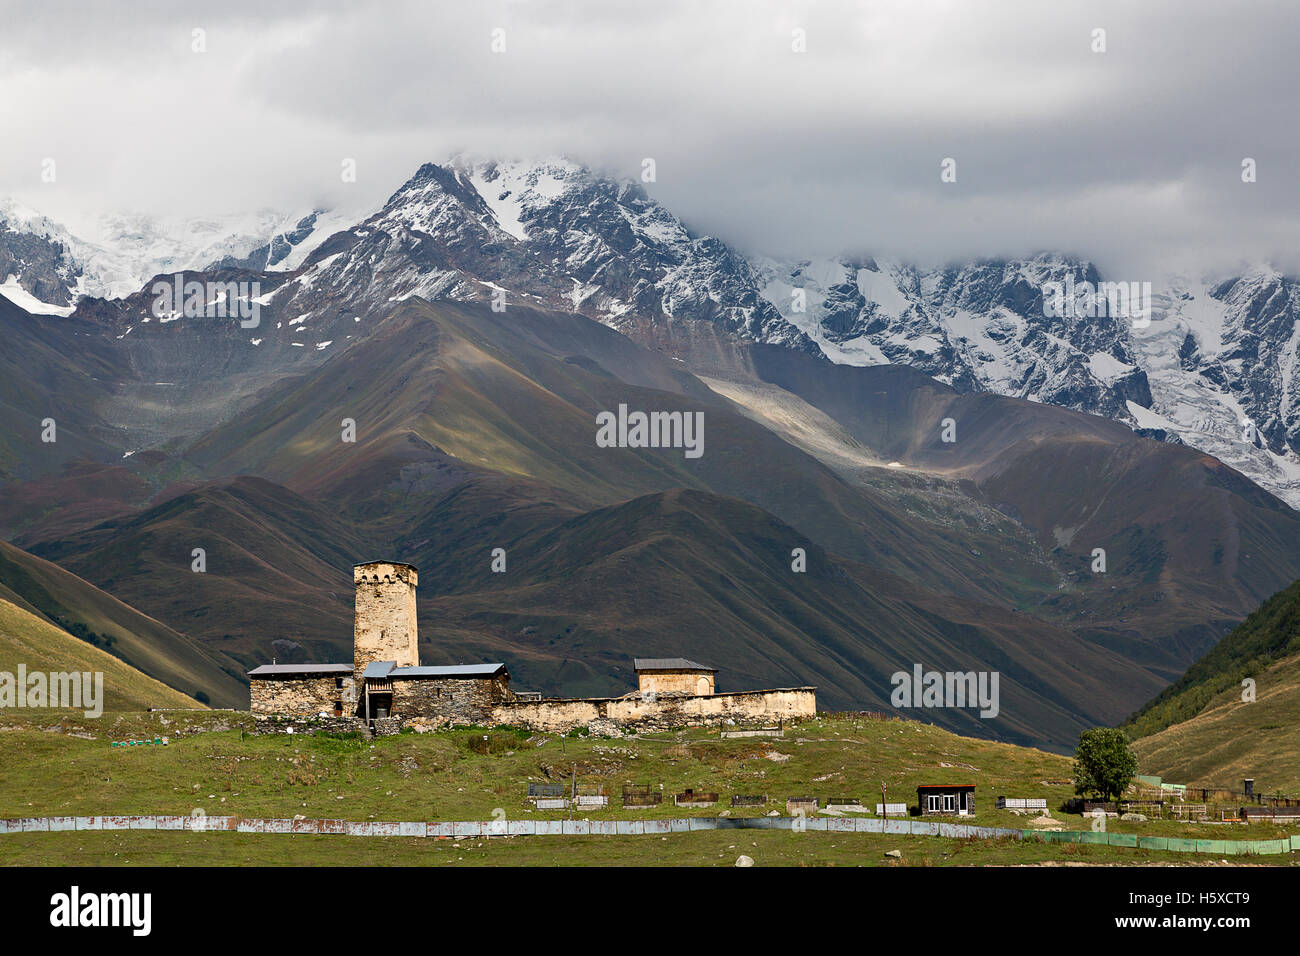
(946,799)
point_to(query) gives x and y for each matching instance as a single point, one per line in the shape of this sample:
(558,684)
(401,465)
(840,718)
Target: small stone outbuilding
(674,675)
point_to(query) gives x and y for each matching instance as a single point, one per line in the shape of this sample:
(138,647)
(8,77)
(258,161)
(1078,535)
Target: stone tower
(384,628)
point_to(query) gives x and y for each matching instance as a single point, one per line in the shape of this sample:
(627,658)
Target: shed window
(932,802)
(949,802)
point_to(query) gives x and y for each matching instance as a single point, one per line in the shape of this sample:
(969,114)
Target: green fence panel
(1098,837)
(1182,846)
(1295,843)
(1065,836)
(1269,846)
(1153,843)
(1123,839)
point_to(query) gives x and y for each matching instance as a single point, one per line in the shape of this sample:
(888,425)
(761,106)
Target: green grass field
(65,766)
(704,848)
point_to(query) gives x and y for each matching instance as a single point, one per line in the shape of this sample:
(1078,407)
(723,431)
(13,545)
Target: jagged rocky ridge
(1215,368)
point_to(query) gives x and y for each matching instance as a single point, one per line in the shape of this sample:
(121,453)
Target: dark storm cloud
(1128,156)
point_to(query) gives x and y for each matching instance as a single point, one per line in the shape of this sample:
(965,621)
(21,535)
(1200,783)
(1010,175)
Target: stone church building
(385,688)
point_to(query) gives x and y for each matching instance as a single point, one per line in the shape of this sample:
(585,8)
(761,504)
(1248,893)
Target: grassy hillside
(441,776)
(1230,739)
(455,775)
(84,610)
(1267,636)
(32,641)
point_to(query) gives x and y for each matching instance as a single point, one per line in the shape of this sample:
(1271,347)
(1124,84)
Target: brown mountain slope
(1191,546)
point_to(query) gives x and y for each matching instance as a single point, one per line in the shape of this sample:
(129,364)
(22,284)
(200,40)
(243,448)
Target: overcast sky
(1129,156)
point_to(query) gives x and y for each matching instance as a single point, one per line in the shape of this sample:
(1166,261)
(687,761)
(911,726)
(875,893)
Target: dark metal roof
(454,670)
(669,664)
(277,670)
(946,786)
(376,670)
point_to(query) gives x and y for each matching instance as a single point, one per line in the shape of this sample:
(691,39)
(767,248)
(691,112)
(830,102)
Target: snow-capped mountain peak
(548,232)
(1212,362)
(121,252)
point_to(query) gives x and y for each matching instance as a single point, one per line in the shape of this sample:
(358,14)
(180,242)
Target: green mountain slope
(29,640)
(1230,739)
(47,590)
(1268,636)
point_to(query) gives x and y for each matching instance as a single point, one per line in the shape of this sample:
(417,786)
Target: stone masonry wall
(304,696)
(607,715)
(432,703)
(384,627)
(308,725)
(449,699)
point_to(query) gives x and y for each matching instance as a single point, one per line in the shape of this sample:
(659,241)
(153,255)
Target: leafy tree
(1103,764)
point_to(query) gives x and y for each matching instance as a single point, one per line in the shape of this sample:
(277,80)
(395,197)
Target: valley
(386,403)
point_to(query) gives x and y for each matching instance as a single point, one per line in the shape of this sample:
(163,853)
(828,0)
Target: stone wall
(305,696)
(695,683)
(430,703)
(636,713)
(449,699)
(384,627)
(280,724)
(387,726)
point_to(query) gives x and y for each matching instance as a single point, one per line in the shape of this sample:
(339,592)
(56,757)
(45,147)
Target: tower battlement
(381,572)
